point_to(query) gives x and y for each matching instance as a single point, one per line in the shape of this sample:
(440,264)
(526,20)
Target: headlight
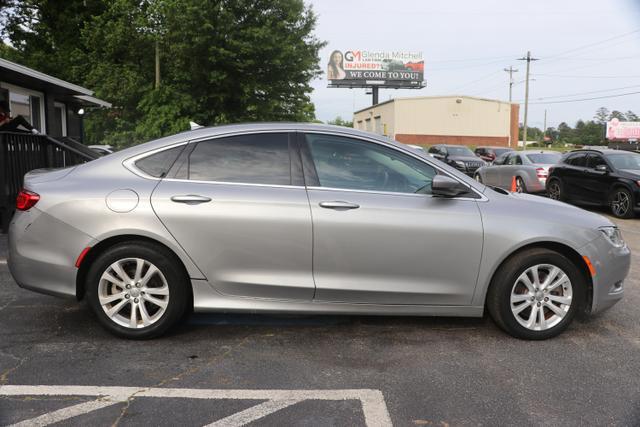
(460,164)
(614,235)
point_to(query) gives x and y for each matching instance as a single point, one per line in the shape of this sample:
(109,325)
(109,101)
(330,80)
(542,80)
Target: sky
(586,49)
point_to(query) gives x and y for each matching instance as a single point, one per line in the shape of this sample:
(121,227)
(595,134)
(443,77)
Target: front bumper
(43,252)
(612,267)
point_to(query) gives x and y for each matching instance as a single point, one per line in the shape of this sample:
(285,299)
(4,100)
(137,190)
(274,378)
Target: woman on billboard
(335,68)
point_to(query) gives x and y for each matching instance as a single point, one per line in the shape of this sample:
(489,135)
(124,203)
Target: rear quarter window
(157,165)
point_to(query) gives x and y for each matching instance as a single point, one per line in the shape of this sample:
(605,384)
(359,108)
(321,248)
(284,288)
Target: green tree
(615,114)
(339,121)
(631,116)
(602,115)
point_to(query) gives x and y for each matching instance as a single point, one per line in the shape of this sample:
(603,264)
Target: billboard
(623,130)
(366,68)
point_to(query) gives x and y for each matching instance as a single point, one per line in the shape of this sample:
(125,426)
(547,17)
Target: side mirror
(443,186)
(602,168)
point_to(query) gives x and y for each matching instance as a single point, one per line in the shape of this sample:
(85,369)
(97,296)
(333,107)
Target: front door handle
(191,199)
(339,206)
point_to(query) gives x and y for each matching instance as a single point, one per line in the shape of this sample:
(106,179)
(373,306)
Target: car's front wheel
(137,290)
(536,294)
(621,202)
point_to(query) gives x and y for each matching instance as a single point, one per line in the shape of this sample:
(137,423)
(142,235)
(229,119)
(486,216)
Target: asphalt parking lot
(316,370)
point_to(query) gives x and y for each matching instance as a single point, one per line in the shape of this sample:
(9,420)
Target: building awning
(19,75)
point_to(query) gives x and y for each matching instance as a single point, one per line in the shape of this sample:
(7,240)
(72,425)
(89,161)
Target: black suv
(460,157)
(598,177)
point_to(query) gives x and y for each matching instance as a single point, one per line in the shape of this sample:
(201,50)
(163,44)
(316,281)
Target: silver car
(522,171)
(303,218)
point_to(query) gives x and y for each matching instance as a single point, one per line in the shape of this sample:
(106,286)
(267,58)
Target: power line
(588,99)
(593,44)
(584,93)
(587,77)
(477,80)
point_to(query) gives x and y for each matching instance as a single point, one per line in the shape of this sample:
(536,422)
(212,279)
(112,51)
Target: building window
(26,103)
(368,125)
(60,116)
(360,125)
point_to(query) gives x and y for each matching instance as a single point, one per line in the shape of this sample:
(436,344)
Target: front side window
(358,165)
(595,160)
(261,158)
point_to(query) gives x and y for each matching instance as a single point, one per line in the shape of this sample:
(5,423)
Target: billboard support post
(374,95)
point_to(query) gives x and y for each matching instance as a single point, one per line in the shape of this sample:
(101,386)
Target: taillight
(541,173)
(26,200)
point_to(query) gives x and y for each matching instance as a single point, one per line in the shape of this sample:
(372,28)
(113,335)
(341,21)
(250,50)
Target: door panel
(379,235)
(395,249)
(251,238)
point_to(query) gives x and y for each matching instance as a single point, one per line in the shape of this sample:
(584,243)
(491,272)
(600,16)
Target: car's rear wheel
(478,178)
(520,186)
(554,190)
(137,289)
(536,294)
(621,202)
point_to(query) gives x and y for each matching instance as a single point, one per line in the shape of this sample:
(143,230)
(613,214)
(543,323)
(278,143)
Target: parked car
(529,169)
(489,154)
(298,218)
(458,156)
(602,177)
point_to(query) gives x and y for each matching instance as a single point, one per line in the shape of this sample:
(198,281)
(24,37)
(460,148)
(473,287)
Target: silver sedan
(527,171)
(298,218)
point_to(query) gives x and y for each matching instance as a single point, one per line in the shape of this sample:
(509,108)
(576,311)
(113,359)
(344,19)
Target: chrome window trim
(482,197)
(129,163)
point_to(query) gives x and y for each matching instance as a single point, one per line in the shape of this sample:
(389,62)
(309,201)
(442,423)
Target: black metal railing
(23,152)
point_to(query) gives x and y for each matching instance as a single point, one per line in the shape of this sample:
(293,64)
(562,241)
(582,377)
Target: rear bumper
(43,252)
(612,267)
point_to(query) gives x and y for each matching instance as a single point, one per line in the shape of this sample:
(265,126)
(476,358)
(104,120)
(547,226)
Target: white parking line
(374,407)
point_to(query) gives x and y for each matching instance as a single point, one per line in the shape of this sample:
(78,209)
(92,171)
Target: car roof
(603,150)
(494,147)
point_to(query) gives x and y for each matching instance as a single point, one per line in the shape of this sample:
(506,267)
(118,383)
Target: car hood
(530,208)
(631,173)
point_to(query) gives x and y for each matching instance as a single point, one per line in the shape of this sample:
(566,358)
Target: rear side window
(251,159)
(157,165)
(579,159)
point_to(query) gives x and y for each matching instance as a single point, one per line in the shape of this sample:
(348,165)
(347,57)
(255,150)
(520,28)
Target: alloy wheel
(554,191)
(519,185)
(620,203)
(541,297)
(133,293)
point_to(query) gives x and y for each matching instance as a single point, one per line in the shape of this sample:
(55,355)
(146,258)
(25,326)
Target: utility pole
(528,58)
(157,85)
(544,128)
(510,70)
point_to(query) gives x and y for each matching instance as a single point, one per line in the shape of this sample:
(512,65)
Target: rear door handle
(338,205)
(191,199)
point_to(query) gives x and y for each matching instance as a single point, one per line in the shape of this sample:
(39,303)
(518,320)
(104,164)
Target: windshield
(544,158)
(460,151)
(625,161)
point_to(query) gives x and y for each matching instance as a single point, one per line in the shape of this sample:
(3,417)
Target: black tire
(556,193)
(618,209)
(169,267)
(478,178)
(520,185)
(504,282)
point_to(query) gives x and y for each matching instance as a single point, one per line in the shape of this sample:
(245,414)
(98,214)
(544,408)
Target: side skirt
(206,299)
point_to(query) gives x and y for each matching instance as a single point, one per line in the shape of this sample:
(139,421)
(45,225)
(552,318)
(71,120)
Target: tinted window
(544,158)
(514,159)
(501,159)
(625,161)
(460,151)
(579,159)
(253,159)
(501,151)
(359,165)
(595,160)
(158,164)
